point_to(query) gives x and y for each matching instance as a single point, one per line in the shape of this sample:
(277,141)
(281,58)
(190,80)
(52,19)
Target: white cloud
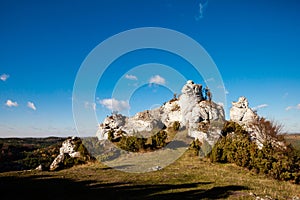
(89,105)
(297,107)
(114,104)
(10,103)
(210,80)
(131,77)
(260,106)
(31,105)
(157,79)
(202,7)
(289,108)
(4,77)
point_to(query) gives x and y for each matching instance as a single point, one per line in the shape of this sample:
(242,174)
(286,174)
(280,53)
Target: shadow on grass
(175,144)
(47,187)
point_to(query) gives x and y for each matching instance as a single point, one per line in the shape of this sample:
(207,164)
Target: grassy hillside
(187,178)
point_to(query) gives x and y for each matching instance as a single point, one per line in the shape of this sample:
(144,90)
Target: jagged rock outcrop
(71,148)
(242,114)
(194,111)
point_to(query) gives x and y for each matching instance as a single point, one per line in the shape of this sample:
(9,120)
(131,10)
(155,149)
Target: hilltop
(185,149)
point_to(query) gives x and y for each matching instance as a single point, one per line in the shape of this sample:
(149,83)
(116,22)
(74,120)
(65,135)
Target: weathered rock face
(190,109)
(241,113)
(71,147)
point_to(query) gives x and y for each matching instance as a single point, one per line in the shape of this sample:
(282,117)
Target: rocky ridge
(194,110)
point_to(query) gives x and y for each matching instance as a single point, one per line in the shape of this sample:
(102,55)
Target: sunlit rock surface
(202,117)
(241,113)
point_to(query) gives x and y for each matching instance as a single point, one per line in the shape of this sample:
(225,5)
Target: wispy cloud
(89,105)
(4,77)
(285,95)
(202,6)
(260,106)
(31,105)
(289,108)
(115,105)
(131,77)
(210,80)
(223,87)
(10,103)
(157,79)
(297,107)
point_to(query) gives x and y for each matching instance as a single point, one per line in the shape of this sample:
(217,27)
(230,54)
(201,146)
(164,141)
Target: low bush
(132,143)
(236,147)
(136,143)
(195,147)
(159,139)
(176,125)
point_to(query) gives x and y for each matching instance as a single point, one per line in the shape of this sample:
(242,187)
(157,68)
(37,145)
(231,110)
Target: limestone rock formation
(71,148)
(202,118)
(242,114)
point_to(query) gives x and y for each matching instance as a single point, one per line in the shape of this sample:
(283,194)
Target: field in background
(294,140)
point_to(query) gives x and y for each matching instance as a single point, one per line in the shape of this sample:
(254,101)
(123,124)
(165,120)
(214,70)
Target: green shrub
(195,146)
(159,139)
(176,125)
(136,143)
(84,152)
(68,161)
(236,147)
(132,143)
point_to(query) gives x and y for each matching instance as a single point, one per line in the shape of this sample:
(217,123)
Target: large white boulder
(241,113)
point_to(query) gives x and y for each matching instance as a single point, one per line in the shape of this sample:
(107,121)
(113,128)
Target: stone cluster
(191,109)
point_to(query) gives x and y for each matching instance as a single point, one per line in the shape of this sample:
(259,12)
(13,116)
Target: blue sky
(254,43)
